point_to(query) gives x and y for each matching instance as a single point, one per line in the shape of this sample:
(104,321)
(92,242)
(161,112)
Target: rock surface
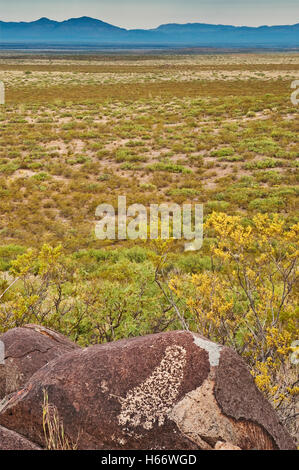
(173,390)
(225,446)
(27,349)
(10,440)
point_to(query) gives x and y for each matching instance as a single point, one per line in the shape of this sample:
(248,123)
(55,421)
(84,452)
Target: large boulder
(27,349)
(172,390)
(10,440)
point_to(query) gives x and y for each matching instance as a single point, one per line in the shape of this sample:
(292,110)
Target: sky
(152,13)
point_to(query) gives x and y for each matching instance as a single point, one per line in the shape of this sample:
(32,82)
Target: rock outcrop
(27,349)
(10,440)
(173,390)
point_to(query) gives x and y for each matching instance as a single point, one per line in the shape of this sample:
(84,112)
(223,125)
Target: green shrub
(271,204)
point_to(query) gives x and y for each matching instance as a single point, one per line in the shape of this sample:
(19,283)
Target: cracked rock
(27,349)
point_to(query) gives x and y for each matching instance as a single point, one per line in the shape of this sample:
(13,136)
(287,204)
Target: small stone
(10,440)
(226,446)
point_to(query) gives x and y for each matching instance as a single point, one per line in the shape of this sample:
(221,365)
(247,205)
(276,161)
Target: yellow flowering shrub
(249,299)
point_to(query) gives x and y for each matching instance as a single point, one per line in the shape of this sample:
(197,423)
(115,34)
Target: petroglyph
(152,400)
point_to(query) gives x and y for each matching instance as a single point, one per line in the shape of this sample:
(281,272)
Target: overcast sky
(151,13)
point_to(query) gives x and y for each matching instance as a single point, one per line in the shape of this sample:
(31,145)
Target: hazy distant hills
(87,30)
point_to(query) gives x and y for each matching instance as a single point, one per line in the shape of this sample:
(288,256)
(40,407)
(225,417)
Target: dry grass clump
(53,428)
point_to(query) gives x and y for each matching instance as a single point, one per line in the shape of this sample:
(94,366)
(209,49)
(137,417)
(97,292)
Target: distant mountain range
(87,30)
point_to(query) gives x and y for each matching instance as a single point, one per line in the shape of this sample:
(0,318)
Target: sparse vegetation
(218,130)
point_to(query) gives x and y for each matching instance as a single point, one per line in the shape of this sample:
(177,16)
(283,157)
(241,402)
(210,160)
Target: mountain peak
(86,19)
(44,20)
(88,22)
